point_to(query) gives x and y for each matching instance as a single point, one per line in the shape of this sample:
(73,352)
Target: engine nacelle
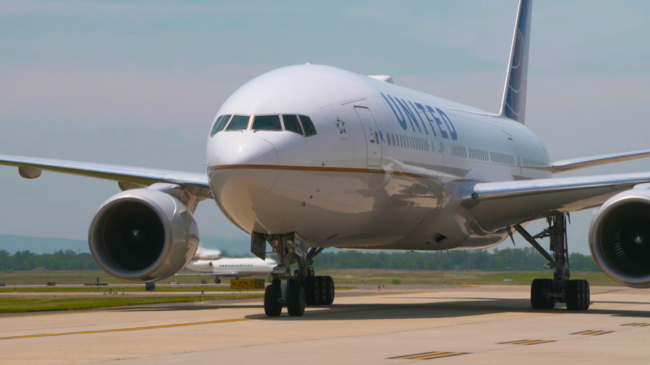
(143,235)
(619,238)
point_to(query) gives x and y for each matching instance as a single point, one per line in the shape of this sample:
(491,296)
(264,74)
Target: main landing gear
(544,293)
(300,288)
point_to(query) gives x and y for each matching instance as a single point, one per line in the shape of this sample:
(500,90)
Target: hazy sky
(139,83)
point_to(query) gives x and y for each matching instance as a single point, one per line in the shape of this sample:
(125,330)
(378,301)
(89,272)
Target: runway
(468,325)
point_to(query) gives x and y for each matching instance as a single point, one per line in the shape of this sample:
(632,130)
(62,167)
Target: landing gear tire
(577,295)
(295,299)
(217,281)
(150,286)
(541,294)
(321,289)
(311,290)
(329,290)
(272,306)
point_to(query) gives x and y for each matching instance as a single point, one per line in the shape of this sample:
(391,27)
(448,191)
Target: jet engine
(619,238)
(143,235)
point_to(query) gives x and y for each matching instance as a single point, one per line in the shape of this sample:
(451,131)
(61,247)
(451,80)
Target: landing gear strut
(544,293)
(293,290)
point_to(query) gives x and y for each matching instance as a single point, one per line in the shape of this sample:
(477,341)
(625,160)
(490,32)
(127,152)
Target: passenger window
(291,123)
(238,123)
(219,124)
(267,123)
(310,130)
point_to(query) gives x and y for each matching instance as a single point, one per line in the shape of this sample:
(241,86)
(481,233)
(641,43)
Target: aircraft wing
(31,167)
(498,204)
(581,163)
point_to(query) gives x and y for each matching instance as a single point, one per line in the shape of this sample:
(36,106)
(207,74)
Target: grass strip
(42,304)
(103,289)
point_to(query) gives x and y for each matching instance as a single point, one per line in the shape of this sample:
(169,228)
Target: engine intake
(619,238)
(143,235)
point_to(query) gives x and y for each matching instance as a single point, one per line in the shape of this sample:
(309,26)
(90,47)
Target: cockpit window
(291,123)
(238,123)
(219,124)
(310,130)
(267,123)
(215,126)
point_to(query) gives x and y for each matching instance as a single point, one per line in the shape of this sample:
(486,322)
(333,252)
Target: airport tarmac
(468,325)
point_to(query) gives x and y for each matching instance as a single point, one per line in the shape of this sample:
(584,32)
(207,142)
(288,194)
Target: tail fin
(513,104)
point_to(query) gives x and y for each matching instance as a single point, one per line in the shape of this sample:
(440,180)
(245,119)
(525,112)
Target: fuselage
(385,169)
(238,267)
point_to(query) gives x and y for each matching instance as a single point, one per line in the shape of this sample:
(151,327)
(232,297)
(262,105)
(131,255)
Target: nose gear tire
(577,295)
(540,294)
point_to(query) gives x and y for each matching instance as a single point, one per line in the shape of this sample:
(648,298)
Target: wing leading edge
(30,167)
(581,163)
(495,205)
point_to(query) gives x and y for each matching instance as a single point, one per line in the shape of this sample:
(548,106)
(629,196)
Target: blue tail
(513,104)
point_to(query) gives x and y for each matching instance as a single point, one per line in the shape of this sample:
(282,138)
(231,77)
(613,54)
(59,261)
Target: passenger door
(515,153)
(373,142)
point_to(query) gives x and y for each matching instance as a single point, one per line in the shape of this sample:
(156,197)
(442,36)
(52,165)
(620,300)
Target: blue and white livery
(308,157)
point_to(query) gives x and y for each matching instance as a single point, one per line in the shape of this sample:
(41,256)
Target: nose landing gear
(544,293)
(297,290)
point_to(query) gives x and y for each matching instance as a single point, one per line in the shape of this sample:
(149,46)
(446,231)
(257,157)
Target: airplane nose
(247,162)
(248,150)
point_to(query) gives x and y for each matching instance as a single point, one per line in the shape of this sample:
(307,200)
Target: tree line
(60,260)
(509,259)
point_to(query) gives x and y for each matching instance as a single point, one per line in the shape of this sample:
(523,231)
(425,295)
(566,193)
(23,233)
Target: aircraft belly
(333,208)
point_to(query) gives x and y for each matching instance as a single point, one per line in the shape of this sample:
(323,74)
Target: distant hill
(12,243)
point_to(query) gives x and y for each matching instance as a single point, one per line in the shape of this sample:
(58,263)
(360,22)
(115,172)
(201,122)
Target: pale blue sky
(138,83)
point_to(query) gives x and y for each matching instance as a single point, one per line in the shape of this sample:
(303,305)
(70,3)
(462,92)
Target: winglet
(513,104)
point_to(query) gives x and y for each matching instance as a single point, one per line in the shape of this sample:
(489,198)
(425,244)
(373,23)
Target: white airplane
(210,262)
(308,157)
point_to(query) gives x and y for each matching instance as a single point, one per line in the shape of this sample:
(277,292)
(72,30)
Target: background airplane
(210,262)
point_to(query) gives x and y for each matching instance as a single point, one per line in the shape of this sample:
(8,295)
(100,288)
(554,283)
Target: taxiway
(468,325)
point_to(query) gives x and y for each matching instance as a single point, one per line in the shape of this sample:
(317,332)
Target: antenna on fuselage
(513,103)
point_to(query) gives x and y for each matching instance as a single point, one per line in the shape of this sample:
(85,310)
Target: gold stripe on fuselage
(315,169)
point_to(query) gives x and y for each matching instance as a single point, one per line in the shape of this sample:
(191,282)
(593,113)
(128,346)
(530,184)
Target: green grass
(41,277)
(103,289)
(54,303)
